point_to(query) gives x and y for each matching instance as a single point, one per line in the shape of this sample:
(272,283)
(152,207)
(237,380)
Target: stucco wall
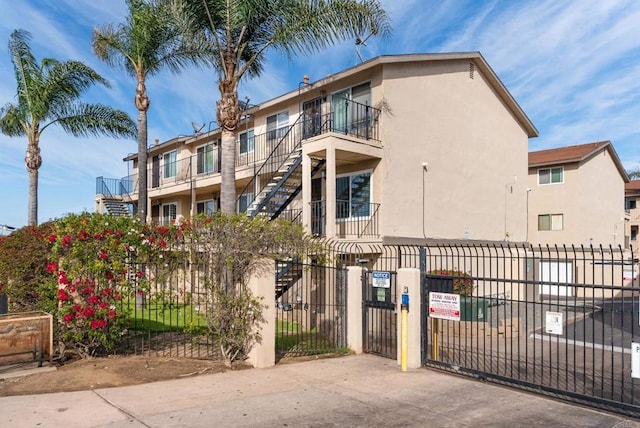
(475,149)
(590,198)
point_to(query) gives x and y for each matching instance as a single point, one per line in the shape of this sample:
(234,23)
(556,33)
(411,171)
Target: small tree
(234,248)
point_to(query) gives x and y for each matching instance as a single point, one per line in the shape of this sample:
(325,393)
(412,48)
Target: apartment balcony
(353,220)
(260,159)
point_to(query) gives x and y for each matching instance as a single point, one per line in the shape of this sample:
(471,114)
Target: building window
(353,196)
(350,109)
(277,126)
(169,160)
(630,204)
(205,207)
(634,233)
(244,201)
(204,159)
(247,142)
(169,213)
(551,222)
(551,175)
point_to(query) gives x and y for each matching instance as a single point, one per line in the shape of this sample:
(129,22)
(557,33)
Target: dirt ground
(76,375)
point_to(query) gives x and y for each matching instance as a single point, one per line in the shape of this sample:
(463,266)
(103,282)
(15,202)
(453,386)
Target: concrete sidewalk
(361,390)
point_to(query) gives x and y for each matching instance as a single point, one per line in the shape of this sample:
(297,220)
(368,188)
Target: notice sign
(381,279)
(445,306)
(553,323)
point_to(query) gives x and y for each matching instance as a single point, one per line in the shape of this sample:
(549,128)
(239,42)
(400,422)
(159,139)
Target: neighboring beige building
(632,211)
(403,146)
(576,196)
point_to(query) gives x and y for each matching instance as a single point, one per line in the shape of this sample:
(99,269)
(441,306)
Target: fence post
(410,278)
(354,308)
(263,286)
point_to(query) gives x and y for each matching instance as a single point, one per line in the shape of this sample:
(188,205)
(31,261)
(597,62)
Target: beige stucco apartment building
(402,146)
(576,196)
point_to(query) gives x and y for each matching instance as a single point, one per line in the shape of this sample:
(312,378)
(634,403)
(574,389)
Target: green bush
(462,281)
(24,255)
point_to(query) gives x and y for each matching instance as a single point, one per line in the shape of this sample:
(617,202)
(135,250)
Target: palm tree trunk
(228,117)
(33,161)
(142,104)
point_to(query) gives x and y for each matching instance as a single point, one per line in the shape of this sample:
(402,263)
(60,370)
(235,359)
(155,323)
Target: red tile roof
(577,153)
(565,154)
(632,187)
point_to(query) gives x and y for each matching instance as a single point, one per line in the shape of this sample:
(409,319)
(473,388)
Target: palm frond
(83,120)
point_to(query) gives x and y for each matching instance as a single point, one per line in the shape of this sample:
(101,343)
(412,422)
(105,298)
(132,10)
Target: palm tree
(49,93)
(242,32)
(146,43)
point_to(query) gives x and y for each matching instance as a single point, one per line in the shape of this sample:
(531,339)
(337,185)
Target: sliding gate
(379,319)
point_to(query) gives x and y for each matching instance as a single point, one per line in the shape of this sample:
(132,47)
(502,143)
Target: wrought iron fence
(561,321)
(311,312)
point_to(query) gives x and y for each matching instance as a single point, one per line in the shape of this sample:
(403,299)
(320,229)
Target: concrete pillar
(354,308)
(410,278)
(306,192)
(263,286)
(331,192)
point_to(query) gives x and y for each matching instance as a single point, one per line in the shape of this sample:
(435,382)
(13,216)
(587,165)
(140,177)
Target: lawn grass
(165,317)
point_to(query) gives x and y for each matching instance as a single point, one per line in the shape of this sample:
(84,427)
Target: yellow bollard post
(404,334)
(405,340)
(434,338)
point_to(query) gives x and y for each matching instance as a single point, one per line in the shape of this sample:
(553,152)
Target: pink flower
(52,239)
(66,240)
(103,255)
(52,267)
(68,317)
(98,324)
(62,295)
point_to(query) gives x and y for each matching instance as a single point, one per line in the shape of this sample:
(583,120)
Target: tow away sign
(445,306)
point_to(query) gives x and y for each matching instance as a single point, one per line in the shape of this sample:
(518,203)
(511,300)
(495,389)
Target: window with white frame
(630,204)
(205,159)
(277,125)
(551,175)
(353,195)
(169,213)
(550,222)
(169,161)
(205,207)
(244,201)
(247,142)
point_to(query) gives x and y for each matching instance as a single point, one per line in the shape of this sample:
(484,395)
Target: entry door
(155,172)
(556,276)
(340,111)
(312,117)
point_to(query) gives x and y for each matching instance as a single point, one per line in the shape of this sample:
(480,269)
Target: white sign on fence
(381,279)
(635,360)
(445,306)
(554,323)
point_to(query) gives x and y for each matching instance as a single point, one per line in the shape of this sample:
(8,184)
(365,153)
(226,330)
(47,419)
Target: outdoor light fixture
(298,298)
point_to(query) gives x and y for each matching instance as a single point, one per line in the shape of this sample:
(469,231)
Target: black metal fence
(555,320)
(311,311)
(168,311)
(379,317)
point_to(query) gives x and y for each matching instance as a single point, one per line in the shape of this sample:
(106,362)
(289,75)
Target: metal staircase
(288,272)
(281,181)
(283,188)
(116,207)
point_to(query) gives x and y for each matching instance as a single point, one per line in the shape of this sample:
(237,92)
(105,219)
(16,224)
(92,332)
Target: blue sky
(573,66)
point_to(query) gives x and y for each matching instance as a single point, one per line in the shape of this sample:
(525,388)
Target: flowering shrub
(98,260)
(23,270)
(462,282)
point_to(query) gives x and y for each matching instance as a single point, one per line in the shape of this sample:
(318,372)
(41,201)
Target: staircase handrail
(266,162)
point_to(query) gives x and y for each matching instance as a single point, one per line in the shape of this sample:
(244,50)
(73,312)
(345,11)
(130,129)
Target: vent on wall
(472,69)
